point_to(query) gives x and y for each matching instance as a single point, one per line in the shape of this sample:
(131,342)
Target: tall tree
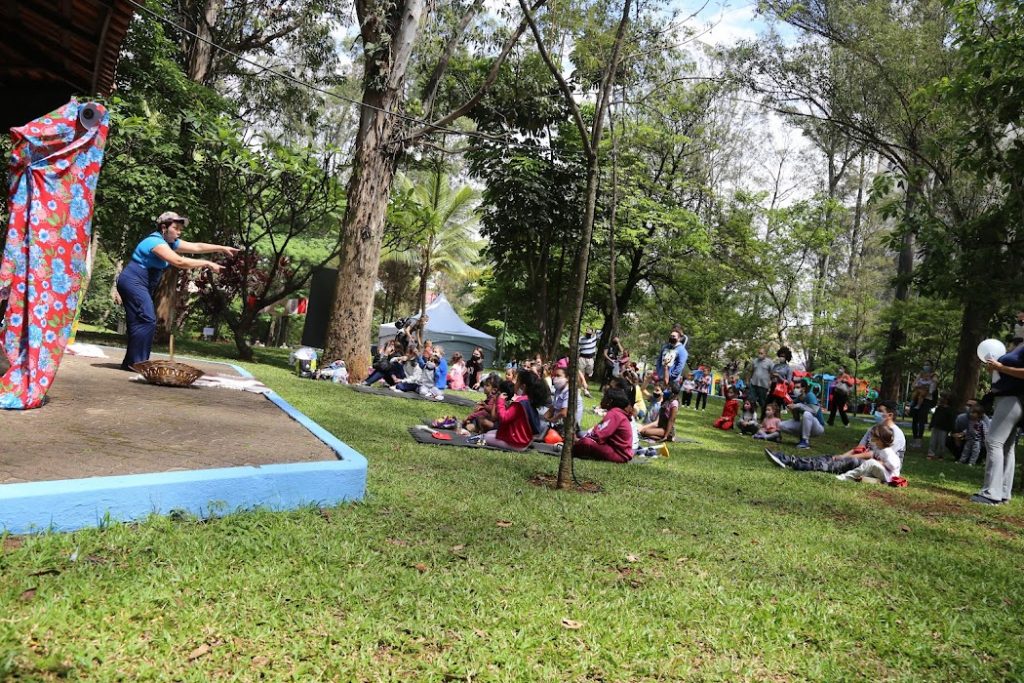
(389,30)
(870,89)
(590,138)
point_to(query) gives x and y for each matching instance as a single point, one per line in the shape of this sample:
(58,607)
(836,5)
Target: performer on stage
(139,280)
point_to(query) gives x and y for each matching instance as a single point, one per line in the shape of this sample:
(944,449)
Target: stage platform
(106,446)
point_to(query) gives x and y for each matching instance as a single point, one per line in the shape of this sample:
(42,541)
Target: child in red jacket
(612,439)
(729,410)
(518,419)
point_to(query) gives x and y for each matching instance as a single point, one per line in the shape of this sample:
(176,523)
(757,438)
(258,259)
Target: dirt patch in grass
(12,543)
(550,481)
(945,505)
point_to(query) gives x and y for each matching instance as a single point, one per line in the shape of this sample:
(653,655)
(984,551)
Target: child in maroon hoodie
(612,439)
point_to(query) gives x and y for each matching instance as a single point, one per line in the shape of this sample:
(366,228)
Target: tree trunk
(592,149)
(582,262)
(163,303)
(612,290)
(973,329)
(424,277)
(392,31)
(858,216)
(368,192)
(199,52)
(240,330)
(891,367)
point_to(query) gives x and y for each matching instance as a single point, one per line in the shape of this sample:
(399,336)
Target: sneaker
(804,443)
(774,459)
(984,500)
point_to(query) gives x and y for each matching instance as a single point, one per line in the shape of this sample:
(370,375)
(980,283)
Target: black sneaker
(984,500)
(774,459)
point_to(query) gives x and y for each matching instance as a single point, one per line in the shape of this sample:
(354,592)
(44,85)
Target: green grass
(709,566)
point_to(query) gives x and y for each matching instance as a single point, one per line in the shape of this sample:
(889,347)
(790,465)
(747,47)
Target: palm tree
(435,225)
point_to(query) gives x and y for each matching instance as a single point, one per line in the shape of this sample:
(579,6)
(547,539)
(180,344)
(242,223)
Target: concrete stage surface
(106,447)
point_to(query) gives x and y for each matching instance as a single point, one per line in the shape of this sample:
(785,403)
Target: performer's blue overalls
(137,285)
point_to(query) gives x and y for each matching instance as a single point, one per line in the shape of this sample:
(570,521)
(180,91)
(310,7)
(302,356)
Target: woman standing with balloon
(1008,408)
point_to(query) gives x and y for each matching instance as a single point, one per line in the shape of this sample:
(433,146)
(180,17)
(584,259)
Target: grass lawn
(709,566)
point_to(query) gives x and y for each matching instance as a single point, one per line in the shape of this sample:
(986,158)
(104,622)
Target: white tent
(445,327)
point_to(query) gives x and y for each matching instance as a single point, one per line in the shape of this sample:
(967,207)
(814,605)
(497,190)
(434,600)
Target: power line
(286,76)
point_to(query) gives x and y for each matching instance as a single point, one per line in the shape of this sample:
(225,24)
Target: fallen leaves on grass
(200,651)
(571,624)
(260,660)
(420,567)
(504,523)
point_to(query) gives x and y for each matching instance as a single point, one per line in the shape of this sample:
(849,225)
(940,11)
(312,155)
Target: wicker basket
(168,373)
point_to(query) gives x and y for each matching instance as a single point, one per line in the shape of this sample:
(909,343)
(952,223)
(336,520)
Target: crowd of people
(769,398)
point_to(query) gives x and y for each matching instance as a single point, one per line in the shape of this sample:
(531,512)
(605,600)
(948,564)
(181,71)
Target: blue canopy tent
(445,327)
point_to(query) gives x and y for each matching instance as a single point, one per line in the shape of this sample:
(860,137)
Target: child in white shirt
(883,465)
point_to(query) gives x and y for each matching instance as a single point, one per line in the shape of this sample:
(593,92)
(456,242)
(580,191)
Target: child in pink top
(457,373)
(769,425)
(612,439)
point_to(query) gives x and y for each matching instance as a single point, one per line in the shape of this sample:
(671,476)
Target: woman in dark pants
(840,395)
(1008,410)
(140,278)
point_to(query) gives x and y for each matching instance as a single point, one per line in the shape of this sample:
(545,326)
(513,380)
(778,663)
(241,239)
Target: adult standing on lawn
(851,459)
(139,280)
(614,354)
(1008,408)
(587,351)
(921,402)
(841,388)
(781,379)
(672,360)
(759,379)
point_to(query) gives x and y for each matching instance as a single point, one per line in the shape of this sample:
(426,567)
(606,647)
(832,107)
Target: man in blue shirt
(671,361)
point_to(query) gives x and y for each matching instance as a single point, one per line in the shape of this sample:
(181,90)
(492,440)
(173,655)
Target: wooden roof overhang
(53,49)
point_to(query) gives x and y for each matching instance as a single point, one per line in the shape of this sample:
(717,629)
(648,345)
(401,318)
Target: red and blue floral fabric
(54,168)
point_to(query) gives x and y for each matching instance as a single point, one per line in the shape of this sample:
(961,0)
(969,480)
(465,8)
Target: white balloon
(991,348)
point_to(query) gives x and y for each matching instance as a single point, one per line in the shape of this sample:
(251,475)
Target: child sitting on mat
(611,440)
(518,419)
(559,407)
(485,417)
(419,374)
